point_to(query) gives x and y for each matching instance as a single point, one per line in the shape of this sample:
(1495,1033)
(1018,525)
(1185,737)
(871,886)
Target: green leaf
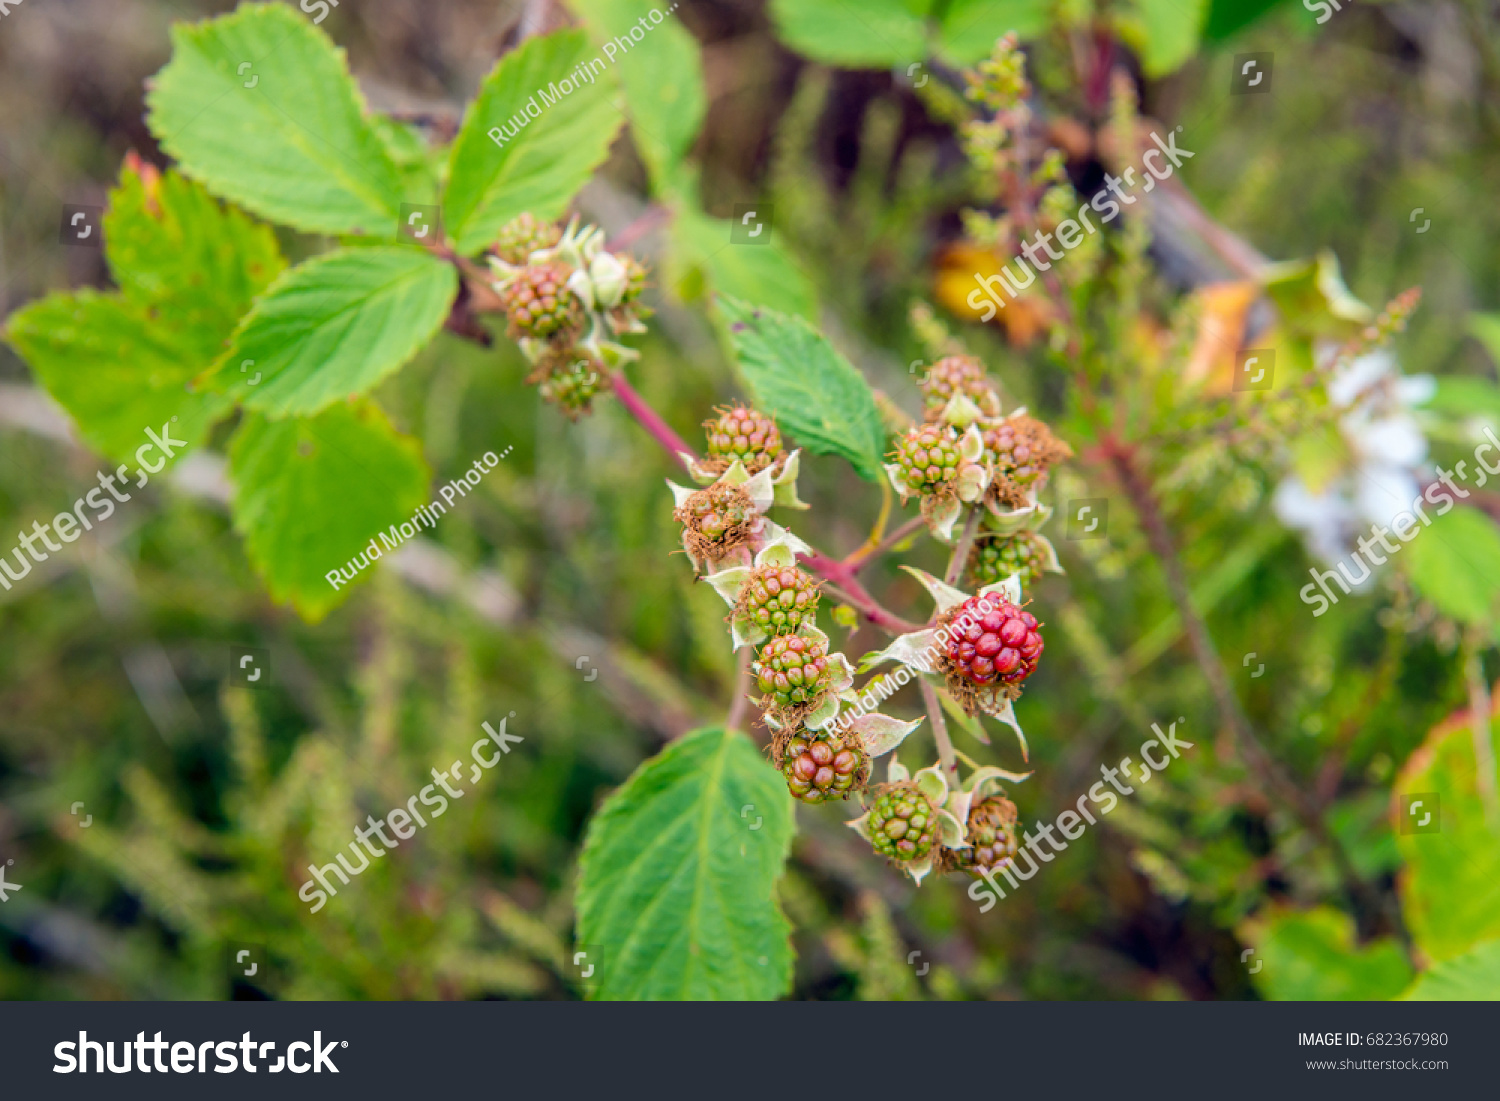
(116,370)
(704,259)
(1312,299)
(854,33)
(663,78)
(122,363)
(971,27)
(1456,564)
(560,137)
(1310,956)
(334,326)
(311,493)
(1472,977)
(677,881)
(1228,17)
(417,163)
(1450,892)
(798,377)
(170,243)
(295,146)
(1164,32)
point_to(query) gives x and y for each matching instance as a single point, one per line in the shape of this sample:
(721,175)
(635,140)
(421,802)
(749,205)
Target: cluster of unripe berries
(996,557)
(743,434)
(549,310)
(928,456)
(902,823)
(819,767)
(779,599)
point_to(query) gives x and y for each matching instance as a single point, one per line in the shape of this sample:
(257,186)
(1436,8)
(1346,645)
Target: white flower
(1384,450)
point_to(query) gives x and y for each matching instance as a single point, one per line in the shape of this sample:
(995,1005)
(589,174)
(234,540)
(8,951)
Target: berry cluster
(1022,450)
(902,824)
(539,302)
(996,557)
(1003,644)
(524,235)
(819,767)
(954,375)
(992,835)
(778,599)
(566,299)
(928,457)
(792,672)
(741,433)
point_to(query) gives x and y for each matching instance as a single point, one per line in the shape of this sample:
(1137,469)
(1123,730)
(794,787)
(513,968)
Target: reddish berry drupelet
(1002,644)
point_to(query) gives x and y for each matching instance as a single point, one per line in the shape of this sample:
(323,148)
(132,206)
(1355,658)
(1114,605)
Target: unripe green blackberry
(522,236)
(747,435)
(1023,449)
(573,388)
(792,671)
(992,835)
(902,823)
(716,520)
(819,767)
(928,456)
(778,599)
(539,302)
(957,375)
(996,557)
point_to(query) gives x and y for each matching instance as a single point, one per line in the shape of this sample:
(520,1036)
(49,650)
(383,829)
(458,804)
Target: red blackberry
(747,435)
(522,236)
(996,557)
(778,599)
(902,823)
(1002,644)
(792,671)
(928,457)
(819,767)
(539,303)
(957,375)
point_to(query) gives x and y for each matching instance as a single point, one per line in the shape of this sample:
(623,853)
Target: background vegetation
(208,801)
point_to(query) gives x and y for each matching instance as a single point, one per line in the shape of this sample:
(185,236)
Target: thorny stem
(1133,481)
(961,550)
(945,749)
